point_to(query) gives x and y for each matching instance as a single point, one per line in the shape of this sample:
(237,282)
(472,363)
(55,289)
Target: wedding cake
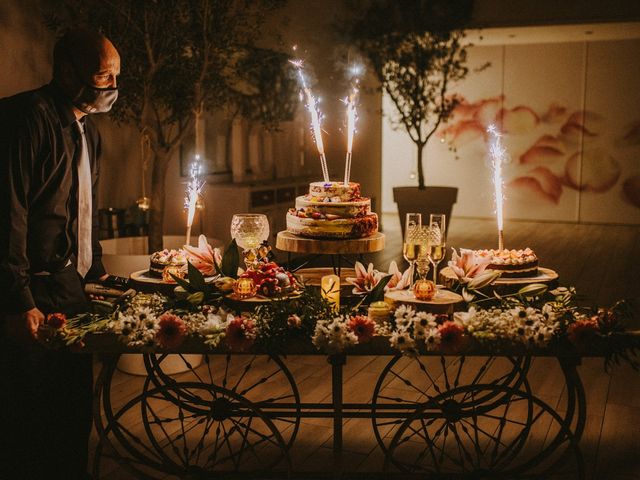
(332,210)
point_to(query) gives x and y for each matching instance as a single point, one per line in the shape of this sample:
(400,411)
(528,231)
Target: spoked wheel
(522,437)
(209,420)
(263,380)
(409,384)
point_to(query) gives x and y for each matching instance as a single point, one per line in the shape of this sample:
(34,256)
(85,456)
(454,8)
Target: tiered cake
(332,210)
(512,263)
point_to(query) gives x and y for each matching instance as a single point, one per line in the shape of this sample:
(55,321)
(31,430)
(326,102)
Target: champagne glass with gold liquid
(410,246)
(437,241)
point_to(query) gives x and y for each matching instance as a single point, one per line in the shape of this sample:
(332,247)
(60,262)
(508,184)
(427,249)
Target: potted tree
(178,58)
(417,52)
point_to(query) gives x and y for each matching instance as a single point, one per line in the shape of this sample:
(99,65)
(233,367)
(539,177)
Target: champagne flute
(423,252)
(249,231)
(437,242)
(410,246)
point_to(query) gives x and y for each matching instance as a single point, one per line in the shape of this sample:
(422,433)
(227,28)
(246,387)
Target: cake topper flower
(467,265)
(365,279)
(204,257)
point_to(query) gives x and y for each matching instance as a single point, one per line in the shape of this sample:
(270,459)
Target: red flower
(452,337)
(239,334)
(582,331)
(363,327)
(172,331)
(56,320)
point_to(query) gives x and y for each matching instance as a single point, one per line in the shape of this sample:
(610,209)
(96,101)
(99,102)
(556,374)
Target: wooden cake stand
(445,301)
(508,285)
(288,242)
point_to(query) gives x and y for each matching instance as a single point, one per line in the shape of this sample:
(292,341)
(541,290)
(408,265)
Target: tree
(178,57)
(416,50)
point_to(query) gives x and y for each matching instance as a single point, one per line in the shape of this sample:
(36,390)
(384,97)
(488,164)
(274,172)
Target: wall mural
(570,116)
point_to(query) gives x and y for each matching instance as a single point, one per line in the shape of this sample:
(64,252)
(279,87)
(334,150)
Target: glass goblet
(250,230)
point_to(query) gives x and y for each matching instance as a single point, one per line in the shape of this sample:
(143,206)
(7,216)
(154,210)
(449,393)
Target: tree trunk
(156,212)
(420,167)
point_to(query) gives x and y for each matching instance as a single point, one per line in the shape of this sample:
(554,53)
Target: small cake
(512,263)
(333,211)
(159,261)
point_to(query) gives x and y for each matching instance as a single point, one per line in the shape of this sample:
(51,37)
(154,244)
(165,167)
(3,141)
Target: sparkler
(312,106)
(194,187)
(498,158)
(352,116)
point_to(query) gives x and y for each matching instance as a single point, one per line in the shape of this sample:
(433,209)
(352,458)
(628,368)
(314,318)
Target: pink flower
(171,332)
(56,320)
(365,280)
(399,280)
(363,327)
(294,321)
(582,331)
(240,335)
(203,257)
(452,339)
(467,265)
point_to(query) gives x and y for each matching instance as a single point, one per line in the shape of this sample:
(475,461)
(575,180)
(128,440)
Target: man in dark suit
(49,166)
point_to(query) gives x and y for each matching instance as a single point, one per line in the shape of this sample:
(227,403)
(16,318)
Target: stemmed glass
(250,230)
(437,242)
(410,246)
(422,257)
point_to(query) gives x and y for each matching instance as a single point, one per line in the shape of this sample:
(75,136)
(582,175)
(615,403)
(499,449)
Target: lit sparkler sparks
(312,106)
(498,158)
(352,116)
(194,187)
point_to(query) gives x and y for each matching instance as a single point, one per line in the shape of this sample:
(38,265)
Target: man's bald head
(90,53)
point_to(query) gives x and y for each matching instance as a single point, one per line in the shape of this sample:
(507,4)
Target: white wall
(570,118)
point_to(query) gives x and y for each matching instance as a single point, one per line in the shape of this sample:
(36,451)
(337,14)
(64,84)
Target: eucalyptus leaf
(230,260)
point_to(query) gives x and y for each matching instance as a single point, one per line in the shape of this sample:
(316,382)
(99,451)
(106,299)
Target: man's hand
(24,327)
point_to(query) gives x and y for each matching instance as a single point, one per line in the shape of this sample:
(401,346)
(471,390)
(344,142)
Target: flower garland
(531,319)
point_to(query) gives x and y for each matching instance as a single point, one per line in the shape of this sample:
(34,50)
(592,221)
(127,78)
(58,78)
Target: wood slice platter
(445,301)
(143,282)
(250,304)
(545,275)
(288,242)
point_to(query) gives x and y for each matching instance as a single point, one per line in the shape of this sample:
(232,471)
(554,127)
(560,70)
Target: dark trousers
(46,395)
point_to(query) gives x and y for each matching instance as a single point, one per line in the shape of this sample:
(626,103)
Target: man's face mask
(90,99)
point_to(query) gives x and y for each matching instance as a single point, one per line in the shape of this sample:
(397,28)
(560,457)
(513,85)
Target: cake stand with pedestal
(338,250)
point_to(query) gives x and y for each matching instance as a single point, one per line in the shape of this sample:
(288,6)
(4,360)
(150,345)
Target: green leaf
(377,293)
(230,260)
(196,279)
(532,290)
(183,283)
(196,298)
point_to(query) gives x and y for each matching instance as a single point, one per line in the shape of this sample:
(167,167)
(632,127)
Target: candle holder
(245,288)
(424,289)
(330,290)
(379,312)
